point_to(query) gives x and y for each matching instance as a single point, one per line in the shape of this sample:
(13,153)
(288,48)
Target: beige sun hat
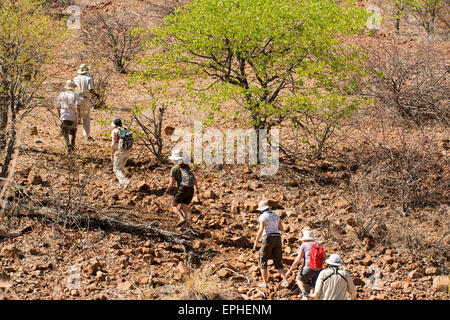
(83,69)
(334,260)
(70,85)
(308,235)
(263,205)
(175,156)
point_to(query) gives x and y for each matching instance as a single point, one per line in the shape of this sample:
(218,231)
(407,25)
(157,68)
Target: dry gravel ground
(47,262)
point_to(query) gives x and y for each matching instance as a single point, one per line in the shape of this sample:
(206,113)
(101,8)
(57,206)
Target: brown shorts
(184,195)
(271,249)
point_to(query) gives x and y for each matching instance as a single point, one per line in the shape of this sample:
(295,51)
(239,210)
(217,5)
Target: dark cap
(117,122)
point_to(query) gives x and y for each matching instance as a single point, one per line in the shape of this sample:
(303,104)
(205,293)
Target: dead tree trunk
(105,223)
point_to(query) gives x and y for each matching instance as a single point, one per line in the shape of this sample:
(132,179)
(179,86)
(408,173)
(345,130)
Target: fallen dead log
(105,222)
(12,234)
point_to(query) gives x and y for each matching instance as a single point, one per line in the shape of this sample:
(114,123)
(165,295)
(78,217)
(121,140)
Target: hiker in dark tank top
(186,182)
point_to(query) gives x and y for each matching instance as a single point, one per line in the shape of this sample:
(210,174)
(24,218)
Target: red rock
(366,261)
(10,251)
(250,206)
(247,170)
(415,274)
(5,281)
(284,293)
(34,131)
(42,267)
(34,252)
(148,258)
(168,131)
(430,271)
(223,273)
(142,186)
(240,241)
(209,194)
(100,276)
(182,268)
(124,285)
(74,293)
(388,259)
(242,289)
(358,282)
(34,179)
(94,266)
(441,283)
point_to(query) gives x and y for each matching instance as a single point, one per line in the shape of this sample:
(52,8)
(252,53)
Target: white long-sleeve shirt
(67,103)
(335,287)
(84,84)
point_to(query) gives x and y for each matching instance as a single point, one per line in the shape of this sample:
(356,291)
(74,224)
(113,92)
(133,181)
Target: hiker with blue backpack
(312,253)
(121,144)
(186,182)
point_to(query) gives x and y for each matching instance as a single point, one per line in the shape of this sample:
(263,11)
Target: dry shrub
(420,240)
(110,34)
(411,80)
(399,184)
(200,284)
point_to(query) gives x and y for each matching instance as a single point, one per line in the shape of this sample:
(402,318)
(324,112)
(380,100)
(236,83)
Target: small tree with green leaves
(27,38)
(260,54)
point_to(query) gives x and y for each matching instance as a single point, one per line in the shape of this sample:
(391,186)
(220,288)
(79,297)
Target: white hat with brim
(83,69)
(176,156)
(334,260)
(70,85)
(263,205)
(307,236)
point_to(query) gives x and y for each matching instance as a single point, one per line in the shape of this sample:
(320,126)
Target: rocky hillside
(69,233)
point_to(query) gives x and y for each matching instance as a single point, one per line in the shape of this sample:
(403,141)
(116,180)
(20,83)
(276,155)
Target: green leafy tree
(272,58)
(27,39)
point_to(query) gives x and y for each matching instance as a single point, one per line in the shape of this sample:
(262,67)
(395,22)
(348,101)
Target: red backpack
(316,257)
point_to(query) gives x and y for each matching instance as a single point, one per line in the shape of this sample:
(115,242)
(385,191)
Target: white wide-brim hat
(83,69)
(176,156)
(307,235)
(334,260)
(263,205)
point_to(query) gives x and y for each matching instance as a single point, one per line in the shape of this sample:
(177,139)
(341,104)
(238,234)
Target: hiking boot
(123,186)
(305,298)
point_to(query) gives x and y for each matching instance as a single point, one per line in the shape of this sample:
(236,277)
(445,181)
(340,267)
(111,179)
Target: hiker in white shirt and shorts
(85,87)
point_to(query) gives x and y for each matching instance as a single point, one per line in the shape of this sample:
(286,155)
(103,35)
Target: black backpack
(125,139)
(336,272)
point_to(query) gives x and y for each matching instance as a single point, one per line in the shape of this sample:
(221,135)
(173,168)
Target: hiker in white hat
(68,106)
(120,151)
(333,283)
(85,88)
(187,184)
(270,227)
(312,254)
